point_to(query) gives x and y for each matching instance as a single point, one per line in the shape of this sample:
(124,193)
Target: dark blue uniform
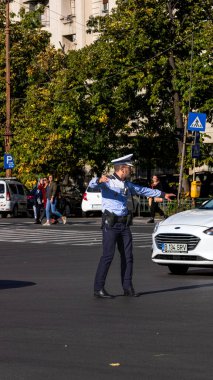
(120,234)
(115,194)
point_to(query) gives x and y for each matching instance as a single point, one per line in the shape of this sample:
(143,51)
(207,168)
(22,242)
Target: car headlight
(156,227)
(209,231)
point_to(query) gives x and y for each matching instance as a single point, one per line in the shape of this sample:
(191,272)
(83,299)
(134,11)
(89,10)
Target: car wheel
(3,215)
(30,214)
(67,210)
(85,214)
(15,211)
(178,269)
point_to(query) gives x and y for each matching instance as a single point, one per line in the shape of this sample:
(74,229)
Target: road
(53,328)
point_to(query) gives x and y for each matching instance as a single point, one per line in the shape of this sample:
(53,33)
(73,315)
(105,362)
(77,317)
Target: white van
(13,197)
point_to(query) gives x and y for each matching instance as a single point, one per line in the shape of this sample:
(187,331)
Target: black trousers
(38,211)
(155,208)
(121,235)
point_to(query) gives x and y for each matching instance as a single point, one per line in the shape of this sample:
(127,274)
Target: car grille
(191,240)
(179,257)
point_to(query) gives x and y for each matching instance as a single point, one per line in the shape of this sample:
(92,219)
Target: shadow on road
(177,289)
(9,284)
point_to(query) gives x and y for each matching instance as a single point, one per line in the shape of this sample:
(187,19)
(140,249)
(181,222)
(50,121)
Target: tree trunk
(177,109)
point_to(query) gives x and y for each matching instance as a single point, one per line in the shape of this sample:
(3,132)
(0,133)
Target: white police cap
(125,160)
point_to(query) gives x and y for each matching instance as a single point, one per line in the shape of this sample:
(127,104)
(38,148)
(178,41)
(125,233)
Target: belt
(121,219)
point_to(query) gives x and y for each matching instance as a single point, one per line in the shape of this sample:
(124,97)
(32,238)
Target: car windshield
(208,205)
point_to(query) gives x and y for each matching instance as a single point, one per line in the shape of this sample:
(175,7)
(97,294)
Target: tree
(39,132)
(146,47)
(127,92)
(26,41)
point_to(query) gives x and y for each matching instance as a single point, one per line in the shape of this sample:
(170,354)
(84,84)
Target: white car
(185,240)
(13,197)
(91,201)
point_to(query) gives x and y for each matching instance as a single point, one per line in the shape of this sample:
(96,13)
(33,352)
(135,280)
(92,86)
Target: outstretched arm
(168,196)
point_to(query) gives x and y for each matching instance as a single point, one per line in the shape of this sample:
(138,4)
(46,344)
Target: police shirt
(115,193)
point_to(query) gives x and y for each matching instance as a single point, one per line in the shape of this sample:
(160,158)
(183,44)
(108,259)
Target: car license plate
(96,207)
(174,247)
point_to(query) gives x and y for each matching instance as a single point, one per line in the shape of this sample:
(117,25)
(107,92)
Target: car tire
(178,269)
(85,214)
(3,214)
(67,210)
(15,211)
(30,214)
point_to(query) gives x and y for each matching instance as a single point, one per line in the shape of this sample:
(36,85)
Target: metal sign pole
(182,163)
(185,126)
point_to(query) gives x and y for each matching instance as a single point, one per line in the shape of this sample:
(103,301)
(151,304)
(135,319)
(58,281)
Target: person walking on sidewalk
(37,199)
(52,193)
(154,206)
(44,198)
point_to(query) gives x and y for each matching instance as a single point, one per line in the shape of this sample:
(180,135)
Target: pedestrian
(44,198)
(116,221)
(37,194)
(153,202)
(52,192)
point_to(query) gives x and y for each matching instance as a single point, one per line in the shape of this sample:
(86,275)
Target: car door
(22,198)
(2,196)
(13,195)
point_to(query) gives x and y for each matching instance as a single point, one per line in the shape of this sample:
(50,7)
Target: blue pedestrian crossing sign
(8,161)
(197,122)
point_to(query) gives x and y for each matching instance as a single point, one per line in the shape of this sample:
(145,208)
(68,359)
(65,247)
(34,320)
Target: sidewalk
(144,220)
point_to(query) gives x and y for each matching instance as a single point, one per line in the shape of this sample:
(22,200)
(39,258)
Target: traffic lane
(55,327)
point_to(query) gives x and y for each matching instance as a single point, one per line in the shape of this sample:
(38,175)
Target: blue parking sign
(8,161)
(196,122)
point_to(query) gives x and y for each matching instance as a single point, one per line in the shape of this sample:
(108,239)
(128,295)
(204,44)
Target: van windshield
(1,188)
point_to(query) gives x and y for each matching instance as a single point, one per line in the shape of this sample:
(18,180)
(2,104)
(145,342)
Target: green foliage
(144,53)
(112,97)
(26,41)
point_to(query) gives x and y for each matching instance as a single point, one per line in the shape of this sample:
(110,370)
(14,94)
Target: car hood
(195,217)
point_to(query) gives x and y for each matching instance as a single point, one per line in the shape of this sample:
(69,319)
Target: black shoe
(102,294)
(130,292)
(151,221)
(37,222)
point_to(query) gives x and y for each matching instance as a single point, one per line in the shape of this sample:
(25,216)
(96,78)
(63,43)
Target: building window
(71,37)
(105,7)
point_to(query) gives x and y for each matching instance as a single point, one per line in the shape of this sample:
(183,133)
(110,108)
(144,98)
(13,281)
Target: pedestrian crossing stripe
(196,121)
(60,237)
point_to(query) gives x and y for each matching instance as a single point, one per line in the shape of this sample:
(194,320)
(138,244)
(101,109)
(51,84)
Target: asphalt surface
(51,326)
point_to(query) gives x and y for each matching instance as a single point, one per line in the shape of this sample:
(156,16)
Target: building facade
(66,20)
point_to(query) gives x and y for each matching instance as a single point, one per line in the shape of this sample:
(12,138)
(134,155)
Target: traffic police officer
(116,190)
